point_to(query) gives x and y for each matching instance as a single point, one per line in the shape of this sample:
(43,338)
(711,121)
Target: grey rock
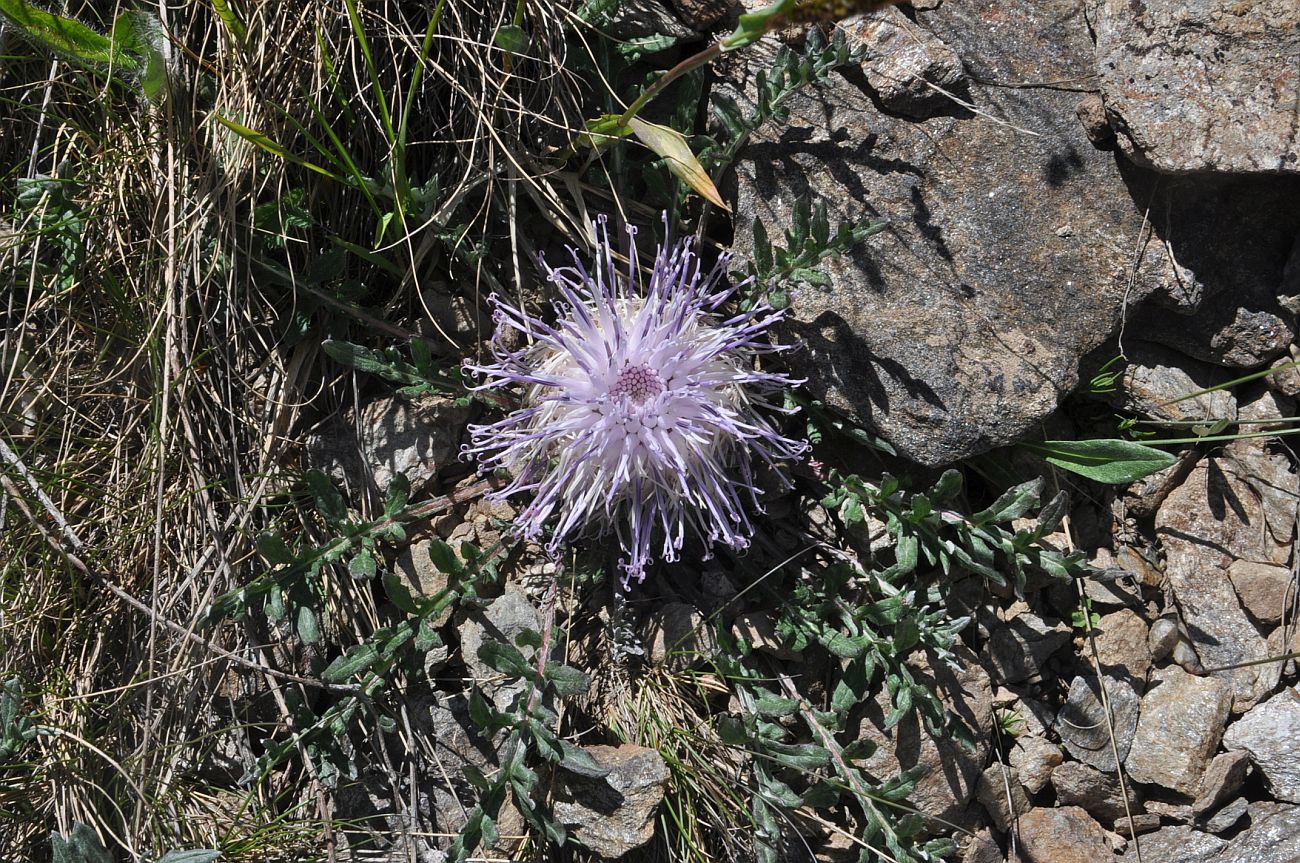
(1270,732)
(615,814)
(702,14)
(1063,835)
(1000,793)
(1017,648)
(904,62)
(1263,410)
(1136,823)
(1034,760)
(1122,645)
(1227,817)
(1080,785)
(980,848)
(502,621)
(678,636)
(1082,720)
(1181,722)
(952,768)
(1264,589)
(1162,638)
(1229,508)
(1275,839)
(1177,844)
(758,631)
(1184,655)
(1223,778)
(1201,86)
(416,569)
(1155,381)
(1286,378)
(961,327)
(637,19)
(391,435)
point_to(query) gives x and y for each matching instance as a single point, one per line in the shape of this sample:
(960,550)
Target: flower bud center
(638,384)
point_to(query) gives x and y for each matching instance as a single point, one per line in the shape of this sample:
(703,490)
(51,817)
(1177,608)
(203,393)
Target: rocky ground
(1067,183)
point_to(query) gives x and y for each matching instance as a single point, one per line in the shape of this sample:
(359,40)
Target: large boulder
(1202,85)
(1015,247)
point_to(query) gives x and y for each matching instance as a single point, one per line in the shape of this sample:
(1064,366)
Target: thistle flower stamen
(643,413)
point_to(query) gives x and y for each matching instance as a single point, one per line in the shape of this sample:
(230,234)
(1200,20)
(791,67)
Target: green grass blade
(262,141)
(231,20)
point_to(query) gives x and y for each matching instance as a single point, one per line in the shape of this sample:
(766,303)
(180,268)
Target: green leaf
(273,548)
(205,855)
(328,500)
(65,36)
(578,760)
(358,659)
(444,558)
(567,680)
(512,38)
(399,492)
(1013,503)
(948,486)
(399,594)
(362,566)
(231,20)
(670,145)
(307,626)
(753,26)
(504,658)
(1110,461)
(767,704)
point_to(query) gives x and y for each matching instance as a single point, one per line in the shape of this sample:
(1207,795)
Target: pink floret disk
(643,414)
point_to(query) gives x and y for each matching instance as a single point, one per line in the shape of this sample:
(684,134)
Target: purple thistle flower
(642,410)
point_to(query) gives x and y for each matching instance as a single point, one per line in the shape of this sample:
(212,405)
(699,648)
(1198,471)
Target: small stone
(638,19)
(1018,648)
(1286,376)
(1185,656)
(1227,817)
(1034,759)
(415,437)
(1240,505)
(1080,785)
(1163,638)
(981,848)
(1223,778)
(1091,112)
(703,14)
(1274,839)
(1179,813)
(1122,645)
(614,814)
(1156,381)
(757,630)
(679,637)
(1000,793)
(1063,835)
(1139,823)
(503,620)
(1270,732)
(1263,589)
(1264,411)
(1082,721)
(1179,728)
(1177,844)
(905,63)
(423,578)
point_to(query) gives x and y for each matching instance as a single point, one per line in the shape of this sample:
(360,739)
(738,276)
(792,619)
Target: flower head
(642,412)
